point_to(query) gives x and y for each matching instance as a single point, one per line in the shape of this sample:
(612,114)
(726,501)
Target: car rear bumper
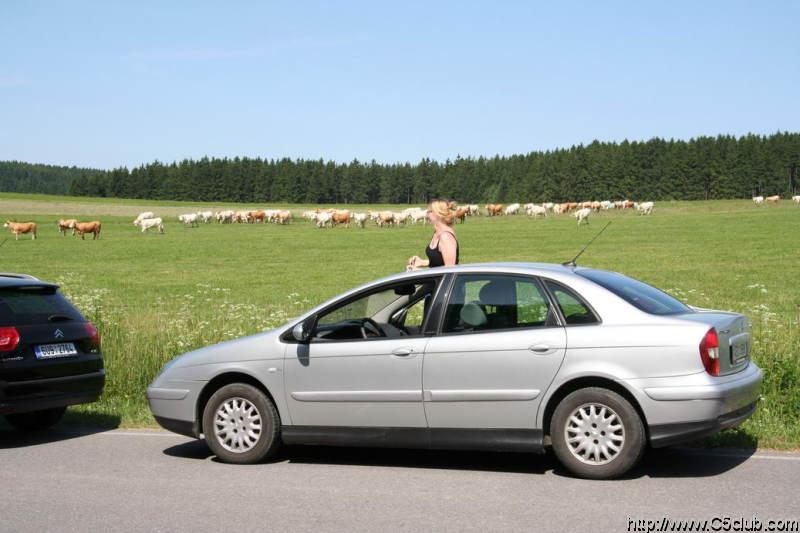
(684,408)
(37,394)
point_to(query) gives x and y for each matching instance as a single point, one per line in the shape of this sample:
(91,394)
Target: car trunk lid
(734,332)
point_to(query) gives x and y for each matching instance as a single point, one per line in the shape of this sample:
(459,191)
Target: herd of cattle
(759,200)
(323,218)
(344,217)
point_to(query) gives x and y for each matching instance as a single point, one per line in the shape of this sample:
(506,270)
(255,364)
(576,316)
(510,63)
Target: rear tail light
(9,339)
(94,336)
(709,352)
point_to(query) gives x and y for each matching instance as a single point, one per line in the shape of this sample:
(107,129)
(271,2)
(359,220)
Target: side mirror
(302,331)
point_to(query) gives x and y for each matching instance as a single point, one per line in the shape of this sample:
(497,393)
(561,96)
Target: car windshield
(21,306)
(639,294)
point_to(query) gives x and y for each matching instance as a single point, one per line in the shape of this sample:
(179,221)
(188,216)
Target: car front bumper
(173,405)
(684,408)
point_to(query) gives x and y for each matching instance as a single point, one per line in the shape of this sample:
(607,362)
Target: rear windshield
(639,294)
(21,306)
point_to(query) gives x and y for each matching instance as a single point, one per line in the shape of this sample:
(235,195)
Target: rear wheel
(36,420)
(241,424)
(597,434)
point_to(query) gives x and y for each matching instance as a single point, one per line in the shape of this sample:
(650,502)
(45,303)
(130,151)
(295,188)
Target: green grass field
(156,296)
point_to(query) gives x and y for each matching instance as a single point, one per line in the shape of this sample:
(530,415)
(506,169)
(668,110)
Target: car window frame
(581,299)
(536,279)
(439,279)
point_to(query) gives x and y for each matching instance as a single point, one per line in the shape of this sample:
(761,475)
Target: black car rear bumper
(37,394)
(669,434)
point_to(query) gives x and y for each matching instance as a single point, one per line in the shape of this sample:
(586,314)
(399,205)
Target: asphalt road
(156,481)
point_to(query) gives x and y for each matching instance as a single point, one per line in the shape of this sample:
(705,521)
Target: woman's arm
(447,247)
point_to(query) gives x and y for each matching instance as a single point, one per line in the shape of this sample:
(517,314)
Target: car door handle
(403,352)
(541,348)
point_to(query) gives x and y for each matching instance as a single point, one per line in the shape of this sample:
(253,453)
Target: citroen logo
(58,334)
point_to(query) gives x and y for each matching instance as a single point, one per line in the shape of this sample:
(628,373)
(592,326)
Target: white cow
(645,208)
(225,216)
(535,211)
(758,200)
(583,215)
(190,219)
(205,216)
(511,209)
(148,223)
(360,219)
(420,215)
(271,215)
(142,216)
(474,210)
(796,199)
(323,219)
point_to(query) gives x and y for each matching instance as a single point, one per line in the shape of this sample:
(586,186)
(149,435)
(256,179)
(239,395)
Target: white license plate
(738,352)
(47,351)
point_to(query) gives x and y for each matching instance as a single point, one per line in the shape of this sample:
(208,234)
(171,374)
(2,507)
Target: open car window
(392,311)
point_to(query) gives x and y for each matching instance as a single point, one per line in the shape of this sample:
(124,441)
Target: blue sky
(106,83)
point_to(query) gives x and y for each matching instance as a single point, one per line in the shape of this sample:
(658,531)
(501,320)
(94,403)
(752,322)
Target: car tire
(597,434)
(36,420)
(241,424)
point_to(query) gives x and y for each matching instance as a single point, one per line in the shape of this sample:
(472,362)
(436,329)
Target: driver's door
(358,382)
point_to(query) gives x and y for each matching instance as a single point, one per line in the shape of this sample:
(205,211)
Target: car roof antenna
(574,259)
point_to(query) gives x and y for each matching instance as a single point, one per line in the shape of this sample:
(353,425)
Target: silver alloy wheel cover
(237,425)
(595,434)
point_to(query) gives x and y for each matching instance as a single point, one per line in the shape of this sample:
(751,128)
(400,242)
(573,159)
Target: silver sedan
(505,357)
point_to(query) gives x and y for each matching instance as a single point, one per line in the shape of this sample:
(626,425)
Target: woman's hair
(443,210)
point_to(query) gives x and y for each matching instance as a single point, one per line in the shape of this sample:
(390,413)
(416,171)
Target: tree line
(701,168)
(16,176)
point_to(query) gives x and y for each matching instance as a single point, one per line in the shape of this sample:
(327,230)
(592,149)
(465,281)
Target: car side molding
(500,440)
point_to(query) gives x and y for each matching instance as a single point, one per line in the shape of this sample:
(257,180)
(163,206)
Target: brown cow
(461,213)
(627,204)
(341,217)
(257,216)
(64,225)
(21,227)
(773,199)
(82,228)
(494,210)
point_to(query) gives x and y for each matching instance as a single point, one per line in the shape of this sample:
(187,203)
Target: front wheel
(241,424)
(597,434)
(36,420)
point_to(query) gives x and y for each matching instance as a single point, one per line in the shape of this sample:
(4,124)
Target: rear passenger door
(498,349)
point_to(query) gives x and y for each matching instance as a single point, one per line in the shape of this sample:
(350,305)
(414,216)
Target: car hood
(259,346)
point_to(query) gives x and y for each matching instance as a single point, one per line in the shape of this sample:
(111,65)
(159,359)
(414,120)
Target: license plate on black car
(49,351)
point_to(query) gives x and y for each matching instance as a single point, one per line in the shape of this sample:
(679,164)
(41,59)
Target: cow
(64,225)
(283,217)
(582,215)
(645,208)
(258,216)
(360,219)
(205,216)
(474,210)
(191,220)
(627,204)
(82,228)
(418,215)
(512,209)
(758,200)
(535,211)
(796,199)
(494,210)
(384,218)
(461,213)
(341,217)
(18,228)
(323,219)
(225,216)
(773,199)
(143,215)
(148,223)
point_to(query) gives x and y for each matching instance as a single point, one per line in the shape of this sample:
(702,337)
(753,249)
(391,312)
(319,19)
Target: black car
(49,354)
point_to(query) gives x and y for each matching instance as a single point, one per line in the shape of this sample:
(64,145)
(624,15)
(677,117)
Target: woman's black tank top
(435,258)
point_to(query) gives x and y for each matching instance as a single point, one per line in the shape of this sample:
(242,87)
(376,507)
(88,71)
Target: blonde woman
(443,248)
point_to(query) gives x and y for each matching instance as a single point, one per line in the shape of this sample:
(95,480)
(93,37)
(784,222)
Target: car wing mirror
(302,331)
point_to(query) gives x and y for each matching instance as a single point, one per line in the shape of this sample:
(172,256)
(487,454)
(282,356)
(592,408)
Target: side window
(572,306)
(481,302)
